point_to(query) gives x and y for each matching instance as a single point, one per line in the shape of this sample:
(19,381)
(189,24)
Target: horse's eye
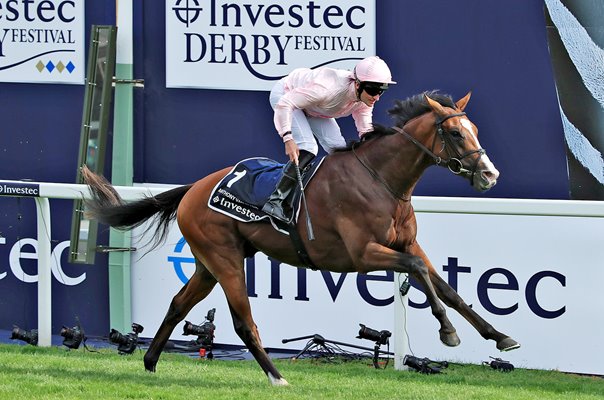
(456,134)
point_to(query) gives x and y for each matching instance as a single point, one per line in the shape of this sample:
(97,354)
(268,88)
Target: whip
(311,234)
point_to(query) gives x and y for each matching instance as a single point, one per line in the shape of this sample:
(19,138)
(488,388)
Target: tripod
(319,342)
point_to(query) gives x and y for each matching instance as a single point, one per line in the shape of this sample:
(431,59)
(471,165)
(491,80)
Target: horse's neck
(397,160)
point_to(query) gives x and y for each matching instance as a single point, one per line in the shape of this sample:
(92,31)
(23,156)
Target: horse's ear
(435,106)
(463,102)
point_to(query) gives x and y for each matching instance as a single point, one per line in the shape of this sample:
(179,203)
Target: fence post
(44,272)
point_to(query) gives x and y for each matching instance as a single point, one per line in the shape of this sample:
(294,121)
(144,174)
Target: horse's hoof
(277,382)
(450,339)
(150,366)
(507,344)
(150,361)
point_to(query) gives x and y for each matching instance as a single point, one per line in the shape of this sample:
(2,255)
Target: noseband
(454,160)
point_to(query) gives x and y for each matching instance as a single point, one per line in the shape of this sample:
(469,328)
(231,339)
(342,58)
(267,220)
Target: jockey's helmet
(373,69)
(373,76)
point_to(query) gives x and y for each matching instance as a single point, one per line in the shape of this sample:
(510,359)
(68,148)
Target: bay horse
(360,204)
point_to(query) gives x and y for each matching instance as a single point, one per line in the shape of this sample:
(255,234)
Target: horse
(362,214)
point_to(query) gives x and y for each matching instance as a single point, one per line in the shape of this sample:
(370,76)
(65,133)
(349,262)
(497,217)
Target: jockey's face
(368,99)
(370,92)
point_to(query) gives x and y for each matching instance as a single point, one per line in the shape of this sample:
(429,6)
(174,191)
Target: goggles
(374,88)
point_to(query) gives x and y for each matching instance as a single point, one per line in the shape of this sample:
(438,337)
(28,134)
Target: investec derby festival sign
(42,41)
(248,45)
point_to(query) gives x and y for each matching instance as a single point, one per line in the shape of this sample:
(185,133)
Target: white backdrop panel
(561,258)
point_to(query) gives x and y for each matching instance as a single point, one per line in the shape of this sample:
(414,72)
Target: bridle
(454,159)
(452,162)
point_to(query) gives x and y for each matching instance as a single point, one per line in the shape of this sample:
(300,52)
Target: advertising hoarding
(248,46)
(42,41)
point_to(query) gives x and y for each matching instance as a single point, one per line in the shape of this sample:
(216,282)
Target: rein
(379,178)
(454,164)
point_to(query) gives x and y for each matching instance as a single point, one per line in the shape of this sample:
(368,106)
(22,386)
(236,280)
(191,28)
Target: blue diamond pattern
(50,66)
(70,67)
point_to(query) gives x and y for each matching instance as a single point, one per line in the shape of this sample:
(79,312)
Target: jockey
(306,103)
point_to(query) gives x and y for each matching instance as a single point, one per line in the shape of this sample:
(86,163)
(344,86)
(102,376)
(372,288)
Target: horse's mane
(402,112)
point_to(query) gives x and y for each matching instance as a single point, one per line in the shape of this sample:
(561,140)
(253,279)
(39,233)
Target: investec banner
(248,45)
(20,189)
(42,41)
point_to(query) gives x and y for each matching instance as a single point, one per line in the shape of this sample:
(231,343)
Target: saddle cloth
(244,190)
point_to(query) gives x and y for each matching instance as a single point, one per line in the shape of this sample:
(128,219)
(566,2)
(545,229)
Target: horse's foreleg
(452,299)
(234,288)
(377,257)
(198,287)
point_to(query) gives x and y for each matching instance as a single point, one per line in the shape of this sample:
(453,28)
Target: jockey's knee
(310,147)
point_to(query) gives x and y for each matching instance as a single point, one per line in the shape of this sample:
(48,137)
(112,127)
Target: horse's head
(459,149)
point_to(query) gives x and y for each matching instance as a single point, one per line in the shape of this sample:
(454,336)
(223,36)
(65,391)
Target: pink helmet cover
(373,69)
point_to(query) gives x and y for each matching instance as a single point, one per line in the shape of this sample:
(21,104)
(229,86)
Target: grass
(28,372)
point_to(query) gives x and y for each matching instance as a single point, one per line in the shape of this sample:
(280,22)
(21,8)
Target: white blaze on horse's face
(468,125)
(486,173)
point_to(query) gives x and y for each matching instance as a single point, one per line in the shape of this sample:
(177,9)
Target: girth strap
(296,239)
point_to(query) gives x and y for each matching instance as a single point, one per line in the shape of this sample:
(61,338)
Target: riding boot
(278,204)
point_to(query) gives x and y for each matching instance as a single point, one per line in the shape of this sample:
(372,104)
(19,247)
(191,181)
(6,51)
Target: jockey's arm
(299,98)
(363,120)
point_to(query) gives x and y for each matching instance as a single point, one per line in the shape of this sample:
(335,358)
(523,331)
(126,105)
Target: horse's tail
(107,207)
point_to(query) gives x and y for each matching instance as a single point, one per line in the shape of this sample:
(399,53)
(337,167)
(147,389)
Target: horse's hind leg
(232,279)
(196,289)
(248,332)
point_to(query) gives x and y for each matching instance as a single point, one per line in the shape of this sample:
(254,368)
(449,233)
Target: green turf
(28,372)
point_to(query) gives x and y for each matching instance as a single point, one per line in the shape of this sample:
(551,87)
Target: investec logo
(250,44)
(18,189)
(42,41)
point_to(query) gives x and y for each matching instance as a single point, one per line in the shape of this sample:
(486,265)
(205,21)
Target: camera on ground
(204,332)
(30,337)
(126,344)
(424,365)
(72,336)
(379,337)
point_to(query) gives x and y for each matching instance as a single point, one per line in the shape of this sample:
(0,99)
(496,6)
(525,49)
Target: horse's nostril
(489,175)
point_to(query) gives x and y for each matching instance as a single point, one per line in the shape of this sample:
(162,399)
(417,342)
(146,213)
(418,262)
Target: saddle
(244,190)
